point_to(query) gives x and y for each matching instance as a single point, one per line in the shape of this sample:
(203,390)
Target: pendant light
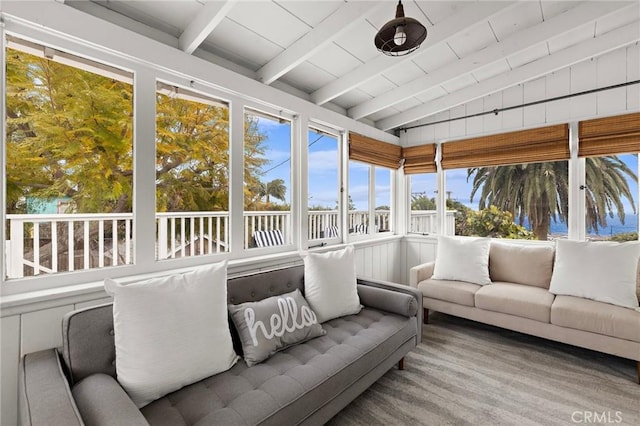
(401,35)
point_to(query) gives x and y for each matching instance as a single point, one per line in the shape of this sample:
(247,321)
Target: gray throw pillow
(271,325)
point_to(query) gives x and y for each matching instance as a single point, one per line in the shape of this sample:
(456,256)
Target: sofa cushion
(302,376)
(462,259)
(516,299)
(521,264)
(459,292)
(596,317)
(602,271)
(330,283)
(171,331)
(273,324)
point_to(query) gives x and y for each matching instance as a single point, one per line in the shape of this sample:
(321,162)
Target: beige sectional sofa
(518,299)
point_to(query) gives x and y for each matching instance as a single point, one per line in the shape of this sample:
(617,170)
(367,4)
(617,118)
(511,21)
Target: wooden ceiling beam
(324,33)
(594,47)
(212,13)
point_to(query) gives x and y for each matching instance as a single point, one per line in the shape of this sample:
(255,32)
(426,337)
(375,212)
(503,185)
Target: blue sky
(323,168)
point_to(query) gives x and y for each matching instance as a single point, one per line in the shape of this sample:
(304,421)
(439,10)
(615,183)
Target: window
(495,196)
(192,173)
(383,200)
(267,180)
(324,185)
(69,167)
(423,219)
(611,206)
(609,147)
(358,210)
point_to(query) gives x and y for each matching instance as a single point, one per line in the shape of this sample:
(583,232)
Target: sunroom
(143,139)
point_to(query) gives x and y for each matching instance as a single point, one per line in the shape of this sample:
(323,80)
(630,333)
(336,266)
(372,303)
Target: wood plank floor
(467,373)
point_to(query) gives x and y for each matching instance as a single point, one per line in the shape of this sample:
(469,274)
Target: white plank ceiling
(323,50)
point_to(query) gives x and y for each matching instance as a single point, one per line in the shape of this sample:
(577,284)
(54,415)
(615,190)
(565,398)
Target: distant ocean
(614,226)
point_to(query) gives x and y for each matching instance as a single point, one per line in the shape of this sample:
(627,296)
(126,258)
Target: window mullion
(144,206)
(577,180)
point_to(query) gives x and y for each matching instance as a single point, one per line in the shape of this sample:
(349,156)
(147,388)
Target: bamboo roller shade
(373,151)
(526,146)
(609,135)
(419,159)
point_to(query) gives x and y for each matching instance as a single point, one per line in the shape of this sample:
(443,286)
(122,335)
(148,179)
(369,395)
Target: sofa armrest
(420,273)
(391,297)
(102,401)
(45,397)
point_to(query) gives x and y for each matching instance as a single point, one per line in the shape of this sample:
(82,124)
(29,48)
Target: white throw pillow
(330,284)
(462,259)
(171,331)
(602,271)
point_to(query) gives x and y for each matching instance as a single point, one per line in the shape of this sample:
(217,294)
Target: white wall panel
(457,127)
(583,78)
(558,84)
(512,97)
(9,359)
(633,73)
(534,115)
(619,66)
(474,125)
(42,329)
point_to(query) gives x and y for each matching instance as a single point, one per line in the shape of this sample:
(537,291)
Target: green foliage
(495,223)
(625,236)
(422,202)
(70,134)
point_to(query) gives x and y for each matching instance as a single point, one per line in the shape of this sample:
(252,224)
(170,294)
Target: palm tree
(276,189)
(539,191)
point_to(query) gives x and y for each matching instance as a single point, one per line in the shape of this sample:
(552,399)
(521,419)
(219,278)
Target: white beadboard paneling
(360,262)
(91,303)
(42,329)
(9,359)
(376,255)
(368,262)
(558,84)
(404,273)
(512,97)
(413,254)
(583,77)
(475,124)
(534,91)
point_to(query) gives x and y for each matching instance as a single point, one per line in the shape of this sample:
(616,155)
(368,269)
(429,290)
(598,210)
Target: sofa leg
(638,368)
(401,364)
(425,316)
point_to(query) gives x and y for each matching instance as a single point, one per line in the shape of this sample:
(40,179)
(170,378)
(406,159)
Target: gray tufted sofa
(304,384)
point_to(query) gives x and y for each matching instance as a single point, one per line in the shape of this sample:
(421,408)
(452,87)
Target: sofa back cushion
(88,336)
(521,264)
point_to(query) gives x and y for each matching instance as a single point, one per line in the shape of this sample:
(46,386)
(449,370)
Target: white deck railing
(49,243)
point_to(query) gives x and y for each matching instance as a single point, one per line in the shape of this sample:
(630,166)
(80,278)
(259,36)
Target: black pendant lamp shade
(401,35)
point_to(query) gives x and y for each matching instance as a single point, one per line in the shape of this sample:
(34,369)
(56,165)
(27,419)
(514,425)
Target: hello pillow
(602,271)
(171,331)
(273,324)
(462,259)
